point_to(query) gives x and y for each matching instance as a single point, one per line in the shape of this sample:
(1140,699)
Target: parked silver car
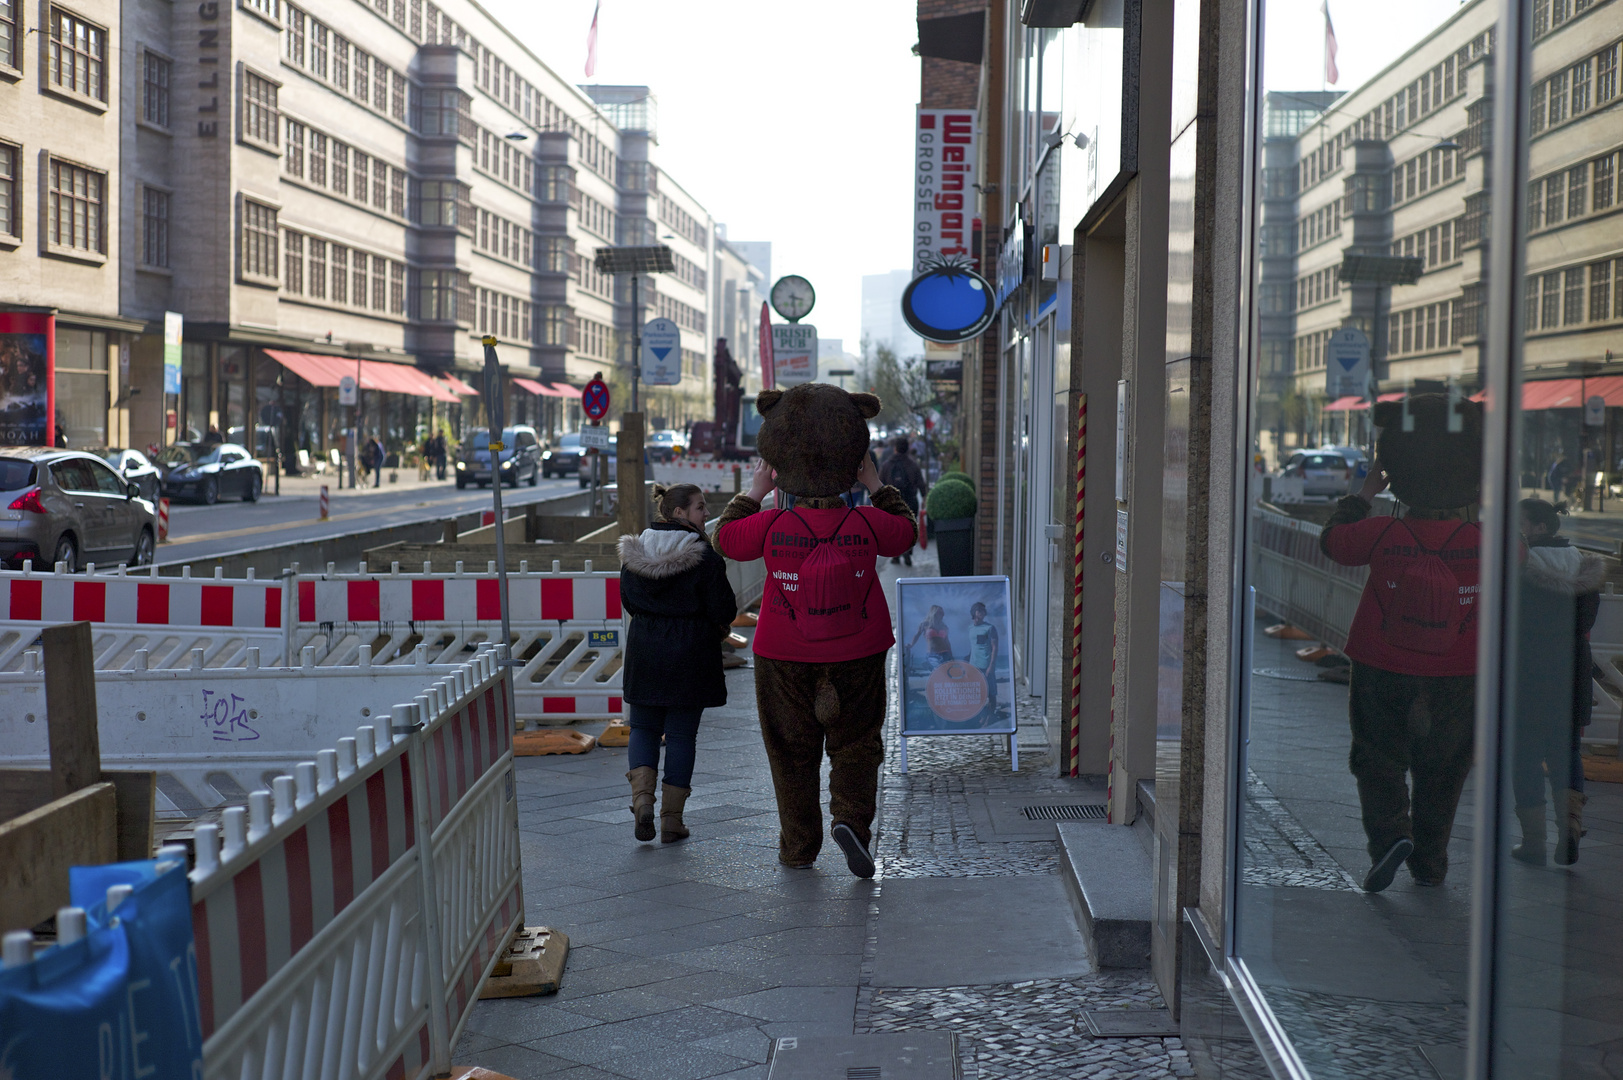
(65,506)
(1323,472)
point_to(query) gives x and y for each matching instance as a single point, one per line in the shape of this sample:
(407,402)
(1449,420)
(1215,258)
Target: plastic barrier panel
(354,910)
(1297,583)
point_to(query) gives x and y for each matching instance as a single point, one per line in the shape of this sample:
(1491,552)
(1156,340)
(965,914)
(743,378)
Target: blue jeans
(680,727)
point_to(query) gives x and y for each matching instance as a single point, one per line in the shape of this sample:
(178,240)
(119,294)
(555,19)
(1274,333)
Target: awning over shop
(458,386)
(1357,404)
(374,374)
(565,390)
(532,386)
(1553,394)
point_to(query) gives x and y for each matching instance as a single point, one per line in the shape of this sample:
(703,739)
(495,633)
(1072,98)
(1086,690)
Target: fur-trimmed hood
(1561,568)
(662,553)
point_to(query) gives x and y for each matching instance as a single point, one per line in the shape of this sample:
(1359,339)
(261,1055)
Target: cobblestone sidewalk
(1010,1031)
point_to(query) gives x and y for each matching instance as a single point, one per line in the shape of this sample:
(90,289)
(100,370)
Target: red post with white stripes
(324,503)
(163,521)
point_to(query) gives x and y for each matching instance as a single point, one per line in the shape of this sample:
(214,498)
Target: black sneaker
(856,856)
(1386,867)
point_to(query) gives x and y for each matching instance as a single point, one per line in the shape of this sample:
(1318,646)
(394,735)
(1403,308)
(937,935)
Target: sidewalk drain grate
(1064,813)
(1129,1023)
(862,1072)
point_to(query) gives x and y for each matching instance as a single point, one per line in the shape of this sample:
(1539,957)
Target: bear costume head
(814,435)
(1430,467)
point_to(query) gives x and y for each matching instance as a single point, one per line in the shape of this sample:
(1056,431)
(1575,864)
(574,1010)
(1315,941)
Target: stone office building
(374,184)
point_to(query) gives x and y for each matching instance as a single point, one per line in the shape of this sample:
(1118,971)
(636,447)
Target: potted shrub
(951,507)
(965,477)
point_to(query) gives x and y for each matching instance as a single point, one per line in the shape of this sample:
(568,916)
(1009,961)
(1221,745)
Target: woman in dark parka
(674,586)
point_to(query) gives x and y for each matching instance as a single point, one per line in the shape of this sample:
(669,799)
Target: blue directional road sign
(661,353)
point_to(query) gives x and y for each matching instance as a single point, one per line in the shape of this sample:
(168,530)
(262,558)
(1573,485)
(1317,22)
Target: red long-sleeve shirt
(869,533)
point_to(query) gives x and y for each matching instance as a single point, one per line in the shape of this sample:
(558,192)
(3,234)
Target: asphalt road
(198,532)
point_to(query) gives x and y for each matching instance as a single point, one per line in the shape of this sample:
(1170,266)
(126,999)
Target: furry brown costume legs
(805,709)
(1411,724)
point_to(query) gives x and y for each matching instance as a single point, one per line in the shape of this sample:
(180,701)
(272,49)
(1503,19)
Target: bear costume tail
(826,705)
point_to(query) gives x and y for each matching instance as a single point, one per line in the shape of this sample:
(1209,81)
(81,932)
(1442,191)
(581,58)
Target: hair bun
(660,490)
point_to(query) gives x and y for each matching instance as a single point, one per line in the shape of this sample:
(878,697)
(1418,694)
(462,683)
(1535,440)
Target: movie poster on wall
(27,378)
(956,670)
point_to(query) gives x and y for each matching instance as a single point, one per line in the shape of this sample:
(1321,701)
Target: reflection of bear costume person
(815,693)
(1412,695)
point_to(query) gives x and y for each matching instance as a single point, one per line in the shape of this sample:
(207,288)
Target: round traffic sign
(594,399)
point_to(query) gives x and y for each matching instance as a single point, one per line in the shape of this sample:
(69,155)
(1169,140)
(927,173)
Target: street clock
(793,297)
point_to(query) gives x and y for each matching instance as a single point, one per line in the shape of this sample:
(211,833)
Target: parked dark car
(563,459)
(66,506)
(134,465)
(207,471)
(520,457)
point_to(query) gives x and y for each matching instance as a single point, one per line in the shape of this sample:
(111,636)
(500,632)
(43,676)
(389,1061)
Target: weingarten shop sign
(943,186)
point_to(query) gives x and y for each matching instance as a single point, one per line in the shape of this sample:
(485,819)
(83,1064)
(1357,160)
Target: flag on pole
(1331,74)
(591,42)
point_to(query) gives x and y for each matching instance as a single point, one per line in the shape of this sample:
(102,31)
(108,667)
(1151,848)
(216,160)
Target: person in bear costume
(1413,641)
(815,692)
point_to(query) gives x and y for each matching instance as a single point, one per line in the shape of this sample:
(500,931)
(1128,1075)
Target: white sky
(789,122)
(1370,34)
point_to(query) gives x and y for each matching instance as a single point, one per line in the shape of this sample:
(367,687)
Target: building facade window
(77,55)
(155,71)
(261,120)
(397,192)
(444,203)
(338,166)
(293,262)
(441,296)
(75,208)
(555,254)
(338,259)
(380,184)
(397,288)
(554,325)
(318,159)
(154,227)
(293,150)
(10,201)
(8,33)
(316,268)
(259,242)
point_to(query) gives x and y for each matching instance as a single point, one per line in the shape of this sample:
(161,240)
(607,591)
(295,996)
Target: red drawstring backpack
(820,594)
(1425,612)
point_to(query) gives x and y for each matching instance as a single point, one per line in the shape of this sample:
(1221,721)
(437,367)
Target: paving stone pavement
(689,959)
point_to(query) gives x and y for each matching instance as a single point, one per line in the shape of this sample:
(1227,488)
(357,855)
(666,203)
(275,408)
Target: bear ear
(766,399)
(1387,413)
(867,404)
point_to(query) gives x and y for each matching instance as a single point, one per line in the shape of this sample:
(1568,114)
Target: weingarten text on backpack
(1425,610)
(819,593)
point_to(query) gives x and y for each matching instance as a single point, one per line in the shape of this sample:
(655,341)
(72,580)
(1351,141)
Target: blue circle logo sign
(948,303)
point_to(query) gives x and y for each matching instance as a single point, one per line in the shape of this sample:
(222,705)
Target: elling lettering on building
(943,185)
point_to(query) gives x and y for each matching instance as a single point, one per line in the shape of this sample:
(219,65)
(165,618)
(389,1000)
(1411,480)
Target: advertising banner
(794,353)
(27,378)
(957,677)
(943,186)
(173,327)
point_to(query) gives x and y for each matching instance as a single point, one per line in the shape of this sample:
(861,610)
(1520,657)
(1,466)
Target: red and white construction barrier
(140,601)
(347,918)
(391,598)
(708,475)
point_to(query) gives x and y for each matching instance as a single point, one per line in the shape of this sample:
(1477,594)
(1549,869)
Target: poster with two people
(956,665)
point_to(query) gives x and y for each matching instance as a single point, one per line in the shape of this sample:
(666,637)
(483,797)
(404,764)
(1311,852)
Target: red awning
(1345,404)
(374,374)
(458,386)
(538,389)
(565,390)
(1553,394)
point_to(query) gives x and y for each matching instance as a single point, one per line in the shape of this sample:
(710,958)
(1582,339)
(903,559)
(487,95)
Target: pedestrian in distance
(674,587)
(1558,602)
(901,471)
(1557,475)
(374,460)
(439,456)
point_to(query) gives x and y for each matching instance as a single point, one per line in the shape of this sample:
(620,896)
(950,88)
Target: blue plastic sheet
(119,1004)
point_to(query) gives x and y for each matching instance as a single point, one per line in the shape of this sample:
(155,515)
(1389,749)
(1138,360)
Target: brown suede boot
(1531,849)
(1570,826)
(643,779)
(671,828)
